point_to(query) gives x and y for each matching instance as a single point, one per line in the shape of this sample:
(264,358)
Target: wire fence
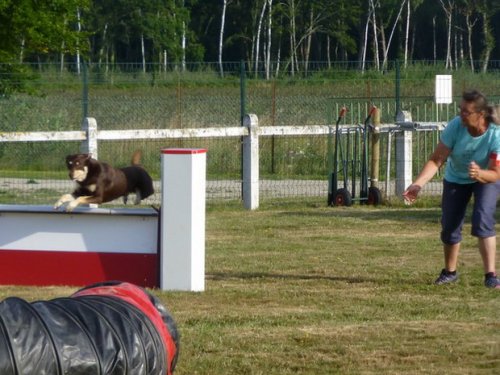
(291,166)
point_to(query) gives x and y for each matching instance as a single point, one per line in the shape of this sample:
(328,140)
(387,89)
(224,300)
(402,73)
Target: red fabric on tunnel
(136,296)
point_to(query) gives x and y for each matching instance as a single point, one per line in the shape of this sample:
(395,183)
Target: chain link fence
(126,98)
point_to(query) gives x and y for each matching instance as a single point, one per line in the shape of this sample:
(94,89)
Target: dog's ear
(87,156)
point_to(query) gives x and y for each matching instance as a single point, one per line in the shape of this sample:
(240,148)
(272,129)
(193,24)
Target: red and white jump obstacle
(166,249)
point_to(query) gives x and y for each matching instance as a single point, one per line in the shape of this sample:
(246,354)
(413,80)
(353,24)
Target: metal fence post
(404,160)
(85,90)
(89,146)
(398,88)
(251,163)
(243,93)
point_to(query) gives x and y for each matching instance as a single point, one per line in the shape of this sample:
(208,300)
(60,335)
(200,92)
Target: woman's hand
(474,171)
(411,193)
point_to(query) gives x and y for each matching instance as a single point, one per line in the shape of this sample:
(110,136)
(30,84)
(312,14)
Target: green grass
(301,288)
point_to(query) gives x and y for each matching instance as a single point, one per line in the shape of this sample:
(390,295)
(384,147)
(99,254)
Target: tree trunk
(307,51)
(392,33)
(101,50)
(21,53)
(329,62)
(269,34)
(365,42)
(462,50)
(183,46)
(470,25)
(278,61)
(448,10)
(257,42)
(375,36)
(79,28)
(221,36)
(489,39)
(278,53)
(407,34)
(383,45)
(61,56)
(293,39)
(434,38)
(143,53)
(183,43)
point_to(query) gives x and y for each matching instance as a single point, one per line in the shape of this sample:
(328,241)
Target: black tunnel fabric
(88,334)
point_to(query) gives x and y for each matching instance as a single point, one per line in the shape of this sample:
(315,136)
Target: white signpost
(444,92)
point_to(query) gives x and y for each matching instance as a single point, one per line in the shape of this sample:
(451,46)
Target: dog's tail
(136,157)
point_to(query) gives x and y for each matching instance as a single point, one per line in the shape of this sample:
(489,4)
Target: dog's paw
(71,206)
(138,197)
(65,198)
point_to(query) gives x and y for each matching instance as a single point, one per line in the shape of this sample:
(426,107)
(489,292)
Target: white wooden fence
(249,132)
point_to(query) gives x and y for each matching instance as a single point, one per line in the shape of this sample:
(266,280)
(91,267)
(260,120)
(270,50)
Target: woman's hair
(495,114)
(492,113)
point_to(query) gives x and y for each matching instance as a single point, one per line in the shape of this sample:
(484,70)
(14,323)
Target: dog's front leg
(72,205)
(86,199)
(64,199)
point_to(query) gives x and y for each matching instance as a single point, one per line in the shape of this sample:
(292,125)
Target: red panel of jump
(76,268)
(183,151)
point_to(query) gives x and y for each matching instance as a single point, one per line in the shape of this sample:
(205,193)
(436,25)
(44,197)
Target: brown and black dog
(98,182)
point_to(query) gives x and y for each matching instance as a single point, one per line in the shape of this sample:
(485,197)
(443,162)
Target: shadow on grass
(280,276)
(374,214)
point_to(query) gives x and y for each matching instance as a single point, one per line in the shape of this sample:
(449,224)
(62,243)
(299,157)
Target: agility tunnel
(111,328)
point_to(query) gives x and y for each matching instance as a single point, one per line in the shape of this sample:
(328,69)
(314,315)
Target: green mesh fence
(123,99)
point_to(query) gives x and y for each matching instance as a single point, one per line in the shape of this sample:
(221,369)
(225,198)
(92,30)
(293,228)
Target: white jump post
(182,239)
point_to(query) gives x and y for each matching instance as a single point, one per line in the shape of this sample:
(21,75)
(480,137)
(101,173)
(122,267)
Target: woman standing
(470,146)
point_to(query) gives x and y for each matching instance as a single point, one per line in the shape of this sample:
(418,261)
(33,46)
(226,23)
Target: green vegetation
(300,288)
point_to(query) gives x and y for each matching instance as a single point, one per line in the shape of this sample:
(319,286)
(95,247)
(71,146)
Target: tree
(293,35)
(291,31)
(259,30)
(386,52)
(407,33)
(310,23)
(221,35)
(448,6)
(39,28)
(467,8)
(35,31)
(375,34)
(339,23)
(486,9)
(269,37)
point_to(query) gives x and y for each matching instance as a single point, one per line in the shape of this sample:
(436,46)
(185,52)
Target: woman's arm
(492,174)
(430,168)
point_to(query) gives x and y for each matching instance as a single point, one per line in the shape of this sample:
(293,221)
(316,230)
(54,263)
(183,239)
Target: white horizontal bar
(43,136)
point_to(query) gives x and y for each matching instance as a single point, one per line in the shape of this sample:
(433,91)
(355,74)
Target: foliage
(37,28)
(181,31)
(15,78)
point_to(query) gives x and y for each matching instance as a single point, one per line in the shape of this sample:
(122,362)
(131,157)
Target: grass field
(301,288)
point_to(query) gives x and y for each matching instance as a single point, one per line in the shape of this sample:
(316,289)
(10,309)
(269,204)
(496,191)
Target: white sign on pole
(444,92)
